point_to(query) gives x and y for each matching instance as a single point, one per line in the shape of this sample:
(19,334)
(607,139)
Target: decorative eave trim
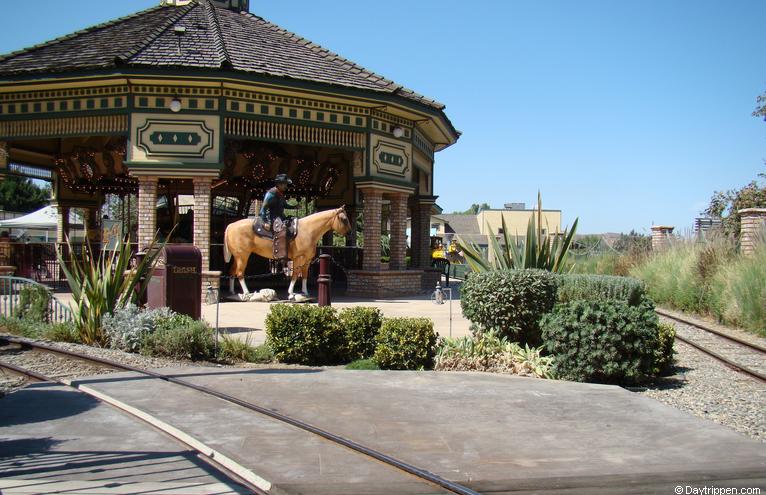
(59,127)
(385,185)
(293,133)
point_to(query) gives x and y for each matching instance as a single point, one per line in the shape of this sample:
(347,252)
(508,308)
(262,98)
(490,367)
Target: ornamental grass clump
(535,250)
(492,353)
(104,281)
(510,302)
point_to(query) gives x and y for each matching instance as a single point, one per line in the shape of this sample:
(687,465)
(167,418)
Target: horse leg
(231,284)
(305,281)
(245,291)
(291,289)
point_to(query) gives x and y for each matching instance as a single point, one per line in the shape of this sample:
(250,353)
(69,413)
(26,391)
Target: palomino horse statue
(240,241)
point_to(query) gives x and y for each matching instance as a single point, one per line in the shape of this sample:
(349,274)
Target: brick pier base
(387,283)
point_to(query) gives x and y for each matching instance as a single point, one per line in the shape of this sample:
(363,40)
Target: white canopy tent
(42,219)
(40,225)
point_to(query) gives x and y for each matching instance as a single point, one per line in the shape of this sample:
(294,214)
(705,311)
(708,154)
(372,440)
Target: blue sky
(622,113)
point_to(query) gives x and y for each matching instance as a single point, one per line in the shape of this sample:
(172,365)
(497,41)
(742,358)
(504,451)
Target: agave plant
(102,282)
(535,251)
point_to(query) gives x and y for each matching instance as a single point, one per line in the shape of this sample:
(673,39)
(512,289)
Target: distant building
(476,228)
(706,224)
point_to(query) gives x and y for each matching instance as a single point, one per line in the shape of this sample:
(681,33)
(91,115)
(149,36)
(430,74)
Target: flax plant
(536,251)
(102,282)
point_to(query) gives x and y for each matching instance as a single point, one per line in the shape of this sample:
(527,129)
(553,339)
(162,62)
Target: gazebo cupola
(203,98)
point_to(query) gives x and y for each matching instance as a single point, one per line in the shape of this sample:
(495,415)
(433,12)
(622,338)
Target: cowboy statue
(273,215)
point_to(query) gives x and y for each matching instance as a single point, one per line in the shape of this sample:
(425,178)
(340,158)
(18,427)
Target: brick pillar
(661,235)
(202,218)
(373,201)
(421,235)
(62,224)
(147,210)
(752,226)
(398,219)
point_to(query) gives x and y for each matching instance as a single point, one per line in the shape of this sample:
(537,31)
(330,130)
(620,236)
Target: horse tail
(226,252)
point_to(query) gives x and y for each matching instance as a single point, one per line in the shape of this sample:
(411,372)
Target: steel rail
(729,363)
(211,461)
(450,486)
(745,343)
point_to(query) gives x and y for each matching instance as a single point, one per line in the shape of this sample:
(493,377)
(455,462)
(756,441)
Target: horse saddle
(291,223)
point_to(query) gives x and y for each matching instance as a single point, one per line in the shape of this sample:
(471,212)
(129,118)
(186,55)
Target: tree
(725,205)
(22,195)
(633,243)
(760,110)
(474,209)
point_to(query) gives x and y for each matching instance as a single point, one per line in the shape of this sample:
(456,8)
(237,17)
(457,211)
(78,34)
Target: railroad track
(738,354)
(397,464)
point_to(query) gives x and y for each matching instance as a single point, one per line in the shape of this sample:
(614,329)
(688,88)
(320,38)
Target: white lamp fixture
(175,105)
(398,132)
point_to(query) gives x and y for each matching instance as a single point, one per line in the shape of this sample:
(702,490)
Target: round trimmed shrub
(602,341)
(304,334)
(405,344)
(360,326)
(509,301)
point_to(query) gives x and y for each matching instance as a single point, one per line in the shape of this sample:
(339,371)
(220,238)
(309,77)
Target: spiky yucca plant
(535,251)
(102,282)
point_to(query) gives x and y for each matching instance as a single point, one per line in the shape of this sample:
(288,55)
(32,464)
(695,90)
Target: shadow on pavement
(33,405)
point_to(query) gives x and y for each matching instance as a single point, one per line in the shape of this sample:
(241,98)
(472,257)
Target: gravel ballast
(708,389)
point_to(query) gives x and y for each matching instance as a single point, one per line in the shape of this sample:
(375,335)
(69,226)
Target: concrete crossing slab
(495,434)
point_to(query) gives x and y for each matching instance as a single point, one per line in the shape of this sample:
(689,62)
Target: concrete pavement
(496,434)
(56,440)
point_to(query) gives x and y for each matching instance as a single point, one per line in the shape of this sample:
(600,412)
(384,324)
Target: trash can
(177,280)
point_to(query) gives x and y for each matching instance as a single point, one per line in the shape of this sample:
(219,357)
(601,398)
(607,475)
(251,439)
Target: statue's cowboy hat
(283,178)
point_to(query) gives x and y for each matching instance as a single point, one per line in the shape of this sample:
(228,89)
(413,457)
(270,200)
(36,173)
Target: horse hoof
(291,297)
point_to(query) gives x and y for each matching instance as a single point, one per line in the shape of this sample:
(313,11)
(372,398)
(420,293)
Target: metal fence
(10,295)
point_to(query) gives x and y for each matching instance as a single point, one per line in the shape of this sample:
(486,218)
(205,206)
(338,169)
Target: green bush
(231,349)
(304,334)
(363,364)
(23,328)
(360,325)
(602,341)
(582,287)
(663,353)
(509,301)
(405,344)
(33,305)
(57,332)
(190,340)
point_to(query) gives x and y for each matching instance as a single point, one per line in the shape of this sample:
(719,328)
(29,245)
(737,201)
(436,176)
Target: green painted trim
(12,117)
(320,88)
(391,137)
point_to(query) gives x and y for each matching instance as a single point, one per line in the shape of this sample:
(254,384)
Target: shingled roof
(212,38)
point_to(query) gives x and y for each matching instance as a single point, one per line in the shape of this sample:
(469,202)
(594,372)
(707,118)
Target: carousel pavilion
(200,98)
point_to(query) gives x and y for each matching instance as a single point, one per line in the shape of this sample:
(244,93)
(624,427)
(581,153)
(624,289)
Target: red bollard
(324,281)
